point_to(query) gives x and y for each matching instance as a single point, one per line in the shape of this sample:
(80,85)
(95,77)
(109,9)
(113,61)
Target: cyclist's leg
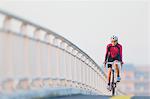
(109,76)
(117,69)
(109,70)
(117,72)
(109,73)
(117,58)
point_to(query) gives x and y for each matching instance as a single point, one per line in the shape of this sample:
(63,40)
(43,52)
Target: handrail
(50,32)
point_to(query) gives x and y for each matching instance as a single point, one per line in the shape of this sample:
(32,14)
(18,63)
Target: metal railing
(33,57)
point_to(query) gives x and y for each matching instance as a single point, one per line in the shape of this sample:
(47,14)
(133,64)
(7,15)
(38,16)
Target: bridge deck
(100,97)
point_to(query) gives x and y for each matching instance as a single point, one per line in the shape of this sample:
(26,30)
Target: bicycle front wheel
(113,90)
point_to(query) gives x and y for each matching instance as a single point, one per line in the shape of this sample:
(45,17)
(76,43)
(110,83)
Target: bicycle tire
(113,84)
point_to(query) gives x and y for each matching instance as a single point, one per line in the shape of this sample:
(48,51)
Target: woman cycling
(113,53)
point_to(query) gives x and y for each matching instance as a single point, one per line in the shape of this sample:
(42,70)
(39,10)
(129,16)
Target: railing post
(7,23)
(69,49)
(55,41)
(23,29)
(87,72)
(38,61)
(74,52)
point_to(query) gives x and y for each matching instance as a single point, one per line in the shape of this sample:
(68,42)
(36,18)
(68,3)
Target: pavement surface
(99,97)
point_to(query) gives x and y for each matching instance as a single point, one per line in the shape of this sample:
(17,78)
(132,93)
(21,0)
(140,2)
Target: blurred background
(89,24)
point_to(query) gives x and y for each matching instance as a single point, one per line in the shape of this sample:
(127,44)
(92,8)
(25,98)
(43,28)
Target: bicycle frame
(113,83)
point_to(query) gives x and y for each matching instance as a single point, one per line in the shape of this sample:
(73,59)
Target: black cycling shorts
(110,59)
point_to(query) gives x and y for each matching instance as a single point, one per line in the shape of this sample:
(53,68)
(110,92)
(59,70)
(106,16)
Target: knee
(116,66)
(109,71)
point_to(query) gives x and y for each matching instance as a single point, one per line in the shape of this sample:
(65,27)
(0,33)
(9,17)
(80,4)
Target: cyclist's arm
(121,53)
(106,55)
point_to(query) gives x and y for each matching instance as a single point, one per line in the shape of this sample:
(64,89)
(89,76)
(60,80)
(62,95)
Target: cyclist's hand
(122,64)
(105,64)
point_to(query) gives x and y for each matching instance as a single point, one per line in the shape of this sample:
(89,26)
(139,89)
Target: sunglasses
(114,41)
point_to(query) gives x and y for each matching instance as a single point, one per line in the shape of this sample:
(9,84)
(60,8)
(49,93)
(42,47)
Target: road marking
(121,97)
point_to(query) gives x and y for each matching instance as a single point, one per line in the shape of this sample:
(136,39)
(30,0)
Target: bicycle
(113,83)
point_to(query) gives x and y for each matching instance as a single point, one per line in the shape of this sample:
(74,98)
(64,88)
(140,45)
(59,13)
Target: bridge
(36,62)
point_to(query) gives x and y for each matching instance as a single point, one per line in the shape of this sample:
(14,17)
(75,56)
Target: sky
(89,24)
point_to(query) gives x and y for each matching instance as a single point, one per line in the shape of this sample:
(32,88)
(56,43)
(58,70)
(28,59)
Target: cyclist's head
(114,40)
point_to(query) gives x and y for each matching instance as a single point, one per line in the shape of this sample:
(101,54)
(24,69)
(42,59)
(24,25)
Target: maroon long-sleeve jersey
(113,51)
